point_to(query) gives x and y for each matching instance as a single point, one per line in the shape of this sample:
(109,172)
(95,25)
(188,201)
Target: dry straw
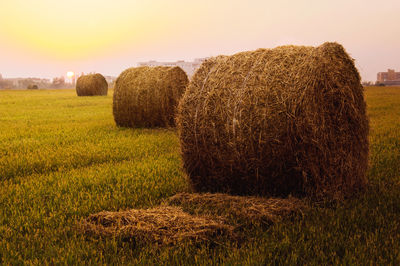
(148,96)
(247,210)
(91,85)
(32,87)
(192,217)
(162,225)
(289,120)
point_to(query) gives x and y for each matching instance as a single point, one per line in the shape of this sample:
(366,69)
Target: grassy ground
(62,158)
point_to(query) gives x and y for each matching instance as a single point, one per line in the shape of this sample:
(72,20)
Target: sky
(47,38)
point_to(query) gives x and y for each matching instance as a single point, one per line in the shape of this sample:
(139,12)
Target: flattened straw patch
(162,225)
(253,210)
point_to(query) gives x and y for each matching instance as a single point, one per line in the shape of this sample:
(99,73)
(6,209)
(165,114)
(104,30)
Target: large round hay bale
(32,87)
(91,85)
(289,120)
(148,96)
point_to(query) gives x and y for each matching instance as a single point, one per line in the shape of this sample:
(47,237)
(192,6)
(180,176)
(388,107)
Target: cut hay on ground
(192,217)
(162,225)
(250,210)
(289,120)
(91,85)
(148,96)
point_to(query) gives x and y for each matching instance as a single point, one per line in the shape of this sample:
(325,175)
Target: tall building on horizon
(391,77)
(188,67)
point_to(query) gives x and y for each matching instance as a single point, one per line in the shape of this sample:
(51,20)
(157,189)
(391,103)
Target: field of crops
(62,158)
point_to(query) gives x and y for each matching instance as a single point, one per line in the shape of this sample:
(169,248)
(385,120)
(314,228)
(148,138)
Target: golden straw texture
(246,209)
(162,225)
(91,85)
(288,120)
(148,96)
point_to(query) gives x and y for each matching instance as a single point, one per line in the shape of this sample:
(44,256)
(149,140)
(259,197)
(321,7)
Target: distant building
(188,67)
(389,78)
(110,80)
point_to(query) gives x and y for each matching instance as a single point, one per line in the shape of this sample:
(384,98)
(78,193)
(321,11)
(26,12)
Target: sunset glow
(70,74)
(47,37)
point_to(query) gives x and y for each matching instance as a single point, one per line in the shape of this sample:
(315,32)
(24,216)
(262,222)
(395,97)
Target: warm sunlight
(70,74)
(199,132)
(73,29)
(47,37)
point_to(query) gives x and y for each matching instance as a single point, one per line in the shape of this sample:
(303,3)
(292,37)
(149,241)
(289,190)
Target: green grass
(62,158)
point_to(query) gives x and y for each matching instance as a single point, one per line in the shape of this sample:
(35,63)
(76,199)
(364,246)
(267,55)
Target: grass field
(62,158)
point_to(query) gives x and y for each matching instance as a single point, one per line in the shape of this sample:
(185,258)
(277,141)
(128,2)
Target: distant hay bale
(248,210)
(162,225)
(148,96)
(288,120)
(32,87)
(91,85)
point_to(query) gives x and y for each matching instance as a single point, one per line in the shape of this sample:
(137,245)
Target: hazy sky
(47,38)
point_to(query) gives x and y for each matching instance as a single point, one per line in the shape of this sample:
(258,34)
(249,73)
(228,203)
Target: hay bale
(91,85)
(288,120)
(247,210)
(148,96)
(32,87)
(162,225)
